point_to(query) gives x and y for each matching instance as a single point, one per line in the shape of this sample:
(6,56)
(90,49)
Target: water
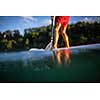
(75,65)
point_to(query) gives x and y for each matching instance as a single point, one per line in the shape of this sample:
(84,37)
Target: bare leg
(65,37)
(56,35)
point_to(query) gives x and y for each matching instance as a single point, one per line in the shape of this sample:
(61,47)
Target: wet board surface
(73,49)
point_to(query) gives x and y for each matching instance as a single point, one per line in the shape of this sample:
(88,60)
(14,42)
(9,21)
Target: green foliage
(27,42)
(10,44)
(79,33)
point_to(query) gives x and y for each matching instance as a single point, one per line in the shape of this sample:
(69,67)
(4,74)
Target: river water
(75,65)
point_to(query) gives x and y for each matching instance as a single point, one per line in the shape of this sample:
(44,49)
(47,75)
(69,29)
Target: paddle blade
(49,46)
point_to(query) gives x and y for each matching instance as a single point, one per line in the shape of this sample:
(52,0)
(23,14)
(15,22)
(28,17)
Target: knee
(63,32)
(56,30)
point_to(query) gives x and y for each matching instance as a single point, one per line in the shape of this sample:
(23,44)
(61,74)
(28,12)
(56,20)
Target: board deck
(90,46)
(36,49)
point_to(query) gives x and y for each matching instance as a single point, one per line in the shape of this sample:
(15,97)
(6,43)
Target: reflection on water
(74,65)
(36,60)
(62,56)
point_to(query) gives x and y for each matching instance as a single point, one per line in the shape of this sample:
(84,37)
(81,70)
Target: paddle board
(90,46)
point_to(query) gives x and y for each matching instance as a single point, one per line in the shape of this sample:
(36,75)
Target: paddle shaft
(52,28)
(49,46)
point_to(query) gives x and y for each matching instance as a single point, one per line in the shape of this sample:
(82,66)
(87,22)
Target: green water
(47,66)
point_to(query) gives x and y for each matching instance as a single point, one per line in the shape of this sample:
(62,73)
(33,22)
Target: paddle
(49,46)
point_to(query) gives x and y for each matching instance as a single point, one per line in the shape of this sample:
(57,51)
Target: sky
(24,22)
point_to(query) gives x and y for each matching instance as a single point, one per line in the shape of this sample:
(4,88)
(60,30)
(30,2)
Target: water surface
(74,65)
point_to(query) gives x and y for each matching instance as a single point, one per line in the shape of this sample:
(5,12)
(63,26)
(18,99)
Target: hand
(53,17)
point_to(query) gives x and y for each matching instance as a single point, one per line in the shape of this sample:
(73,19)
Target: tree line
(79,33)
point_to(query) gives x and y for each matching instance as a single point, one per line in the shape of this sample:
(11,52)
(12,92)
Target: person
(61,23)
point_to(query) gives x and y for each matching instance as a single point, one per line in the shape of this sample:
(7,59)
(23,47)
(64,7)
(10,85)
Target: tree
(8,35)
(79,33)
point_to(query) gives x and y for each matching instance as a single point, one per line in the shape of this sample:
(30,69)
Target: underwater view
(79,64)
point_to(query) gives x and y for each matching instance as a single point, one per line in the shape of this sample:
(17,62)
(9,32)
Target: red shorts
(63,20)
